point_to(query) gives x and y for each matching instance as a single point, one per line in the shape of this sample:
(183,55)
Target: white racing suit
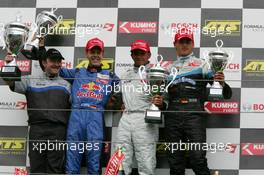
(135,136)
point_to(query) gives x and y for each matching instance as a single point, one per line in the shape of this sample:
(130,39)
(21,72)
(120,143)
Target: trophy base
(216,93)
(153,116)
(30,52)
(10,73)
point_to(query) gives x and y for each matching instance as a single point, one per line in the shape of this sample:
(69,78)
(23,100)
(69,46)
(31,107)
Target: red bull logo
(91,86)
(89,91)
(90,95)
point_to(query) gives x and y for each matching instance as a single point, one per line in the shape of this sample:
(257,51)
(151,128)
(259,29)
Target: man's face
(52,66)
(140,57)
(95,56)
(184,47)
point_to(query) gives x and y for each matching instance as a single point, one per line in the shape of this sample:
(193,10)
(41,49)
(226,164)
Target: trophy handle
(206,58)
(59,19)
(159,60)
(219,44)
(141,70)
(53,10)
(174,73)
(230,57)
(33,31)
(18,16)
(2,40)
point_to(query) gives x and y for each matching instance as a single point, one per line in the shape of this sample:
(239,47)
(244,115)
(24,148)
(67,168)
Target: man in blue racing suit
(91,88)
(187,94)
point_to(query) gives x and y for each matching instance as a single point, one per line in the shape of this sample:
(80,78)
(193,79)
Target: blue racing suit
(90,93)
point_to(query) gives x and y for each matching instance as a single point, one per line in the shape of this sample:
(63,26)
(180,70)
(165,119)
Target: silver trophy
(217,61)
(15,36)
(155,82)
(45,22)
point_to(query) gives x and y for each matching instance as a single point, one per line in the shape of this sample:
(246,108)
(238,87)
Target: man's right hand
(157,100)
(9,58)
(123,107)
(11,83)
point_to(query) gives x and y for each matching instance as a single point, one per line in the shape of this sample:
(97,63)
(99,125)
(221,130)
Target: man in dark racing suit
(186,94)
(48,98)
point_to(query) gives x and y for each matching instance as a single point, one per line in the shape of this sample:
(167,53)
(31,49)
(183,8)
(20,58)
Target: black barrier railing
(90,78)
(131,111)
(5,173)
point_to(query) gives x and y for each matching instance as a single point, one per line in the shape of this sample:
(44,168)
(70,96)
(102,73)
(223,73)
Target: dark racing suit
(188,94)
(47,98)
(85,129)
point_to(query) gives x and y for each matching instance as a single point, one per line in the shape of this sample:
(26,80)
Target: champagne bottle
(120,170)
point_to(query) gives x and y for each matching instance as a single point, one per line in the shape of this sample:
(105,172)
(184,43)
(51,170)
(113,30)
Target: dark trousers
(43,154)
(180,127)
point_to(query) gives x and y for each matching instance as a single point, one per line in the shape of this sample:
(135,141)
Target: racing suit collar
(51,77)
(182,58)
(94,68)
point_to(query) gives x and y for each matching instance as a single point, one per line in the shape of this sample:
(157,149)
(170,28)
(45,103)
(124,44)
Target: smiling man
(187,94)
(48,95)
(137,137)
(88,103)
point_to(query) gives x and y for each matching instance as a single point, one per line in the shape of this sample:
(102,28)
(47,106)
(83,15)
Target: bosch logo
(258,107)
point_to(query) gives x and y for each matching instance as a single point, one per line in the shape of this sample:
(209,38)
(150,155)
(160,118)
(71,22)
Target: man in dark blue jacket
(186,94)
(48,98)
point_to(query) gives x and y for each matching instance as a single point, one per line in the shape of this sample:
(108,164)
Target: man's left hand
(220,77)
